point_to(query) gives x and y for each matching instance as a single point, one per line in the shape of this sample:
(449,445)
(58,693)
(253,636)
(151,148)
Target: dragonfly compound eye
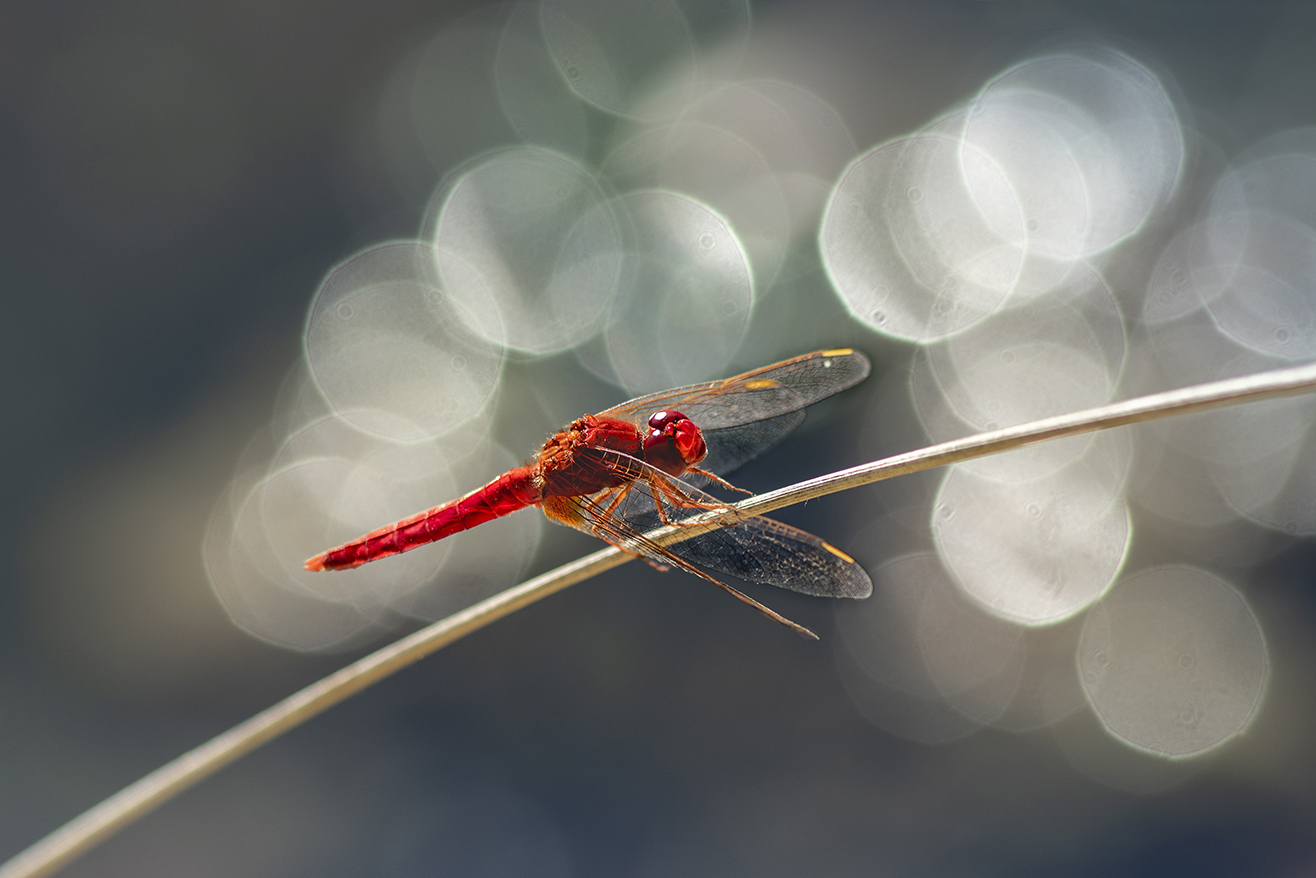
(660,421)
(674,443)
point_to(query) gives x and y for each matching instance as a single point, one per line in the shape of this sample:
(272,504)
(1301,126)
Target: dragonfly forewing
(754,396)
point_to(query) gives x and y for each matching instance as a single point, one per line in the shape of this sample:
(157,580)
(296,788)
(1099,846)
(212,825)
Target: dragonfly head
(674,443)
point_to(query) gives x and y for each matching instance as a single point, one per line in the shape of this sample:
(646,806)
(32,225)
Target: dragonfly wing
(755,548)
(731,447)
(754,396)
(762,550)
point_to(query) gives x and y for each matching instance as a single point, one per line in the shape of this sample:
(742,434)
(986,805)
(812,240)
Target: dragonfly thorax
(558,469)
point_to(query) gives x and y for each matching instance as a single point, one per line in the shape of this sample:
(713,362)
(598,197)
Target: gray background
(174,181)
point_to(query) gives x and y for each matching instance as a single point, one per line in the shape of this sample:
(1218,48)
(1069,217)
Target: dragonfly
(639,466)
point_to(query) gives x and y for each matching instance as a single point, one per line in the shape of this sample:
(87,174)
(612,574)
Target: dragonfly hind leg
(594,514)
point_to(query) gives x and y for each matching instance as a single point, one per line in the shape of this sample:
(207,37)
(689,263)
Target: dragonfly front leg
(663,491)
(713,477)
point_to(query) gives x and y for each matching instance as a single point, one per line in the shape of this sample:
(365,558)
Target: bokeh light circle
(612,54)
(714,165)
(396,355)
(910,251)
(532,232)
(1174,662)
(687,295)
(1035,552)
(1090,141)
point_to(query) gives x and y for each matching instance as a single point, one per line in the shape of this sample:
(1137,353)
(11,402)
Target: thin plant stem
(111,815)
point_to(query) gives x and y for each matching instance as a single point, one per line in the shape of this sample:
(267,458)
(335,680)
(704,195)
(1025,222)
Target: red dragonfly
(630,469)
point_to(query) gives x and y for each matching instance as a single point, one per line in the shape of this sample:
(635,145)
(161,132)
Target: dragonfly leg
(600,513)
(664,491)
(718,479)
(618,495)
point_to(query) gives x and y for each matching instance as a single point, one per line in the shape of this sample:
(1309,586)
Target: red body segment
(513,490)
(555,472)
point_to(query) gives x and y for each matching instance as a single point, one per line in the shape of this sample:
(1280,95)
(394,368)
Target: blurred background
(274,275)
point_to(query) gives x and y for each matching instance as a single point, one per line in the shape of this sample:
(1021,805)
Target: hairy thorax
(565,466)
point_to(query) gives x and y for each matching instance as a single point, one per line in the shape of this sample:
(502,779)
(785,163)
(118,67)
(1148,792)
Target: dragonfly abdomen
(509,492)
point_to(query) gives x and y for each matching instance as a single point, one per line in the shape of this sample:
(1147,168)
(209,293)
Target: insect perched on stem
(636,466)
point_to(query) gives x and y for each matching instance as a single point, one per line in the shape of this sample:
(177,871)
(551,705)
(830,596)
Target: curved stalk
(102,821)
